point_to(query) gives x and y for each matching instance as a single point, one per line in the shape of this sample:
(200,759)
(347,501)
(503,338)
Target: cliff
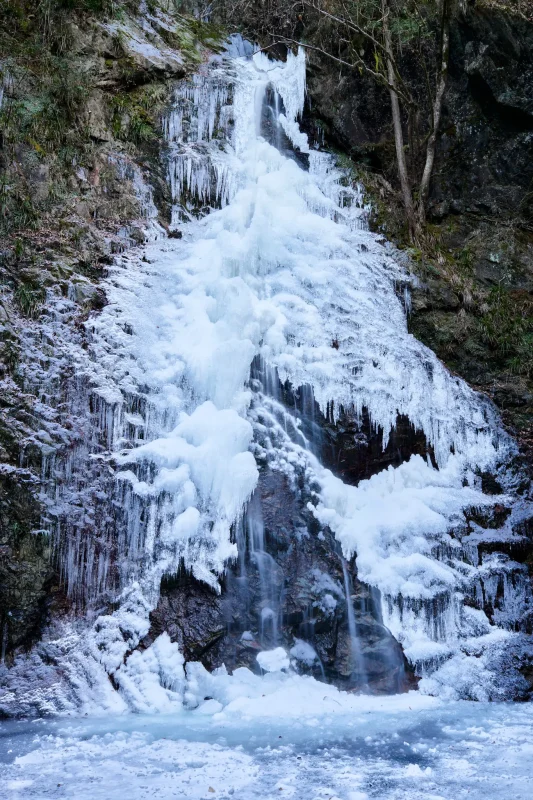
(82,177)
(474,302)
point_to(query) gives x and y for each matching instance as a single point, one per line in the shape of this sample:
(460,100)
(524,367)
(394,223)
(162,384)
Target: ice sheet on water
(341,748)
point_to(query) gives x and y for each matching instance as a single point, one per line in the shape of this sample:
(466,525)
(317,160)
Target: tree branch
(359,63)
(353,26)
(403,174)
(442,78)
(348,24)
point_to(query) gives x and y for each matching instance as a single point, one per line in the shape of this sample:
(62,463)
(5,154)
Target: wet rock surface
(354,449)
(304,601)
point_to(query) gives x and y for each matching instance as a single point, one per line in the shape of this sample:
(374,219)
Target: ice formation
(274,660)
(281,268)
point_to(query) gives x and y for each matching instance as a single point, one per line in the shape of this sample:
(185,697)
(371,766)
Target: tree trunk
(437,112)
(403,174)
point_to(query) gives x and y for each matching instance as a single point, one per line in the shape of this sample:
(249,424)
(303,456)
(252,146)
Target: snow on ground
(299,739)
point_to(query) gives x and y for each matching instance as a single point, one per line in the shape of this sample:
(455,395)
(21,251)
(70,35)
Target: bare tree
(372,36)
(387,26)
(440,89)
(405,184)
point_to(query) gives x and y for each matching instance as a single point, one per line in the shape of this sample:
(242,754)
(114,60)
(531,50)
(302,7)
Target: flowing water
(356,656)
(270,577)
(275,282)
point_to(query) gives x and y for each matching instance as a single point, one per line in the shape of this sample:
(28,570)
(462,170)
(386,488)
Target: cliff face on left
(82,88)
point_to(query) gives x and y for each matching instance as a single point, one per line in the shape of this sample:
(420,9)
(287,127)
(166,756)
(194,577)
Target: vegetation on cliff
(83,84)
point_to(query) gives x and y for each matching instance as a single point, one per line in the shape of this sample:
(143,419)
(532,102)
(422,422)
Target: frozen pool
(406,747)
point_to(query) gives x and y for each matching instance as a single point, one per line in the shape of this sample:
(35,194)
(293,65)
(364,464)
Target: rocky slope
(82,176)
(474,304)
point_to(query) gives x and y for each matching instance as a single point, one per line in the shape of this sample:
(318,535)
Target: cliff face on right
(474,303)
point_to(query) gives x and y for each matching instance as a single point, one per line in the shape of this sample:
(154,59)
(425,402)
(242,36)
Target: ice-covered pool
(340,747)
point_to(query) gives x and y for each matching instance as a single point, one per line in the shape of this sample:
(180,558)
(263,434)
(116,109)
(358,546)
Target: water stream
(356,656)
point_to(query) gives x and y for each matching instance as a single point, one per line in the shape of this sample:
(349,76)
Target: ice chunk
(304,652)
(273,660)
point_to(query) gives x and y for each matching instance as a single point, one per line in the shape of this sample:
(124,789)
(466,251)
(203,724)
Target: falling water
(270,576)
(357,663)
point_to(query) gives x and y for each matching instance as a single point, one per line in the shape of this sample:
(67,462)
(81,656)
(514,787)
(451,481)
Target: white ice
(283,270)
(282,737)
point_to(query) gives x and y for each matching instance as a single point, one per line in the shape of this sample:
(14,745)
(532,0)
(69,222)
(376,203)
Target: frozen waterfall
(275,266)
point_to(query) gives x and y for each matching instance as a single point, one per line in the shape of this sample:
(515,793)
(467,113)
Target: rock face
(291,593)
(473,303)
(26,570)
(80,136)
(484,161)
(489,121)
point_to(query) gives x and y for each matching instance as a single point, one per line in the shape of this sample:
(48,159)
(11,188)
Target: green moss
(136,114)
(507,326)
(131,122)
(191,34)
(48,117)
(40,130)
(464,260)
(16,207)
(29,297)
(207,33)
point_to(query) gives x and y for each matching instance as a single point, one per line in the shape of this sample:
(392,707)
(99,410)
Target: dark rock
(26,572)
(354,450)
(191,613)
(306,595)
(484,157)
